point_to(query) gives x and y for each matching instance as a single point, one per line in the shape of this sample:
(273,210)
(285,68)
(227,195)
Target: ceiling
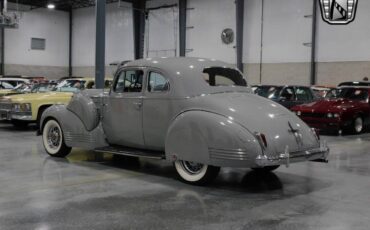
(62,4)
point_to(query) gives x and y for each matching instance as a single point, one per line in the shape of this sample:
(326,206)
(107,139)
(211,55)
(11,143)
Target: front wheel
(52,138)
(358,125)
(196,173)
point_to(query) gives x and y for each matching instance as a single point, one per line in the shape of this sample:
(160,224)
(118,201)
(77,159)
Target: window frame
(119,72)
(148,82)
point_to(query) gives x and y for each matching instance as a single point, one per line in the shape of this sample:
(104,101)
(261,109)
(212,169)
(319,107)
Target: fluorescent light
(51,6)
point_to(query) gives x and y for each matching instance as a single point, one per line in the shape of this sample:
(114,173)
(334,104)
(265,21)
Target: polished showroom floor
(95,191)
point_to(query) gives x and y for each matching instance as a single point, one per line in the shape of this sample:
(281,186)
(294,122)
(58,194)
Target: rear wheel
(196,173)
(267,168)
(52,138)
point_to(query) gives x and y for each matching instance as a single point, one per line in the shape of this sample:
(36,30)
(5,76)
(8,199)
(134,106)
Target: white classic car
(197,113)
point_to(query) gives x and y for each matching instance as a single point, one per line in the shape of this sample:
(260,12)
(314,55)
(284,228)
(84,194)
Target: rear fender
(74,131)
(212,139)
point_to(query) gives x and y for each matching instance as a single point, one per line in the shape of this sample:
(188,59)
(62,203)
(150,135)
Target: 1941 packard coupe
(197,113)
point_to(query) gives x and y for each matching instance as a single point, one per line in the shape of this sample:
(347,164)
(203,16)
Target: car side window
(157,83)
(288,94)
(129,81)
(303,94)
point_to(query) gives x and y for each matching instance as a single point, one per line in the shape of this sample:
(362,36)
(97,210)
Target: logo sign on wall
(338,12)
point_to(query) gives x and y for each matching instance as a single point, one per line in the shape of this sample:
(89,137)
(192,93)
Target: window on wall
(38,43)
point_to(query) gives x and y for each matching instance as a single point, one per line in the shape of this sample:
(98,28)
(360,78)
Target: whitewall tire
(52,138)
(195,173)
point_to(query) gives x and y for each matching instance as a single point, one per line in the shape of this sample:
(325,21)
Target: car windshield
(71,85)
(348,93)
(43,87)
(271,92)
(218,76)
(24,87)
(5,85)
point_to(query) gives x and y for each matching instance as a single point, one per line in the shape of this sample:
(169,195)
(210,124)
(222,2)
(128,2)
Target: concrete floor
(95,191)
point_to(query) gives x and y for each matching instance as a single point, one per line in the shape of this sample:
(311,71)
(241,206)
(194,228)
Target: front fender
(74,131)
(212,139)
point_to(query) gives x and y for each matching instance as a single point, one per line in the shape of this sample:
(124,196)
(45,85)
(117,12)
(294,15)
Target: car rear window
(219,76)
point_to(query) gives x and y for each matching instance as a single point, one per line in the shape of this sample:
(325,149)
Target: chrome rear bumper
(317,155)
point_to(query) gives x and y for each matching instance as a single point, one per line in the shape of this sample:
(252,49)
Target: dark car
(354,83)
(346,108)
(287,96)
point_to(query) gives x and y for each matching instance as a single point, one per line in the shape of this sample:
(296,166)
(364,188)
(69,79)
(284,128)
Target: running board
(132,152)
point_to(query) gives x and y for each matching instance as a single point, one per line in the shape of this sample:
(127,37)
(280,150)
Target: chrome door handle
(138,104)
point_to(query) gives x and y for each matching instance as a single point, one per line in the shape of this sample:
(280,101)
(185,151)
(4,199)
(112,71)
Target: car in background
(14,81)
(197,113)
(287,96)
(321,91)
(346,108)
(5,88)
(23,109)
(354,83)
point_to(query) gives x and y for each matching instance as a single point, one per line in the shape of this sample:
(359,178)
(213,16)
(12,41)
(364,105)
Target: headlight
(299,113)
(336,115)
(330,115)
(21,107)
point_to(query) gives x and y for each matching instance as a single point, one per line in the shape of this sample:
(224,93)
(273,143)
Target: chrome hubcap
(358,125)
(54,137)
(191,167)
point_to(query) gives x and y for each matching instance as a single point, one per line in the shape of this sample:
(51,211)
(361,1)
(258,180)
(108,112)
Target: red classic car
(346,108)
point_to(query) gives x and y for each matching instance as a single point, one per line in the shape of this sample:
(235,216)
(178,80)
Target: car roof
(13,79)
(354,83)
(186,73)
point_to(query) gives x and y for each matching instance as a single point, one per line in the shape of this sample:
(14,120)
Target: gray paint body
(192,121)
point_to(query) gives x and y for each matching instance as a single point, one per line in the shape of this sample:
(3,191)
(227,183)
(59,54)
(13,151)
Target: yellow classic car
(23,109)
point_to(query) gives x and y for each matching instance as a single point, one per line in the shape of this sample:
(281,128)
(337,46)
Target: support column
(313,43)
(239,33)
(182,26)
(138,8)
(100,44)
(70,43)
(2,44)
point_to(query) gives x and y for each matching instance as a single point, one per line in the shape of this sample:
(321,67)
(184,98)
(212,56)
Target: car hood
(260,115)
(5,92)
(327,105)
(38,96)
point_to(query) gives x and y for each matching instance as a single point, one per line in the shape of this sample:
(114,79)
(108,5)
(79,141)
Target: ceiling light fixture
(51,6)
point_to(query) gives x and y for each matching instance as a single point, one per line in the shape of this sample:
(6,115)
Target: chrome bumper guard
(317,155)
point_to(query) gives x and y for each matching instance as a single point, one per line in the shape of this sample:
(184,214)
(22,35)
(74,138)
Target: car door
(157,109)
(303,95)
(123,114)
(287,97)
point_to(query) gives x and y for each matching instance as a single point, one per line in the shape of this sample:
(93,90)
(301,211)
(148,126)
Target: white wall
(209,18)
(39,23)
(119,35)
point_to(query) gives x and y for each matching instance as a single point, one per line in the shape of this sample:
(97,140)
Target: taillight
(261,139)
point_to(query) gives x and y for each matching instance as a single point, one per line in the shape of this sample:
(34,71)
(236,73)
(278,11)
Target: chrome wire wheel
(195,173)
(52,138)
(358,125)
(192,167)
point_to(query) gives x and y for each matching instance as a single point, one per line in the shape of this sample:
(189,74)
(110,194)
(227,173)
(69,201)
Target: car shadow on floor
(7,126)
(243,181)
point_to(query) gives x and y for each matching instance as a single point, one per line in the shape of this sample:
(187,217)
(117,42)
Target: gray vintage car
(198,113)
